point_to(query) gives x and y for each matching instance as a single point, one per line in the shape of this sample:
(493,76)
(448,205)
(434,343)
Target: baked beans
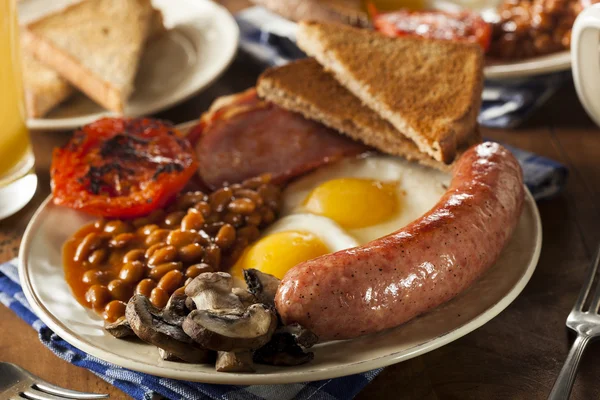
(114,310)
(109,260)
(159,297)
(528,28)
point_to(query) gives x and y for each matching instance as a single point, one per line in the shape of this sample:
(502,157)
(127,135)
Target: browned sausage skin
(397,277)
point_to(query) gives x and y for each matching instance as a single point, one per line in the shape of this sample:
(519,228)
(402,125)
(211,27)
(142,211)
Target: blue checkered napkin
(270,39)
(143,386)
(544,177)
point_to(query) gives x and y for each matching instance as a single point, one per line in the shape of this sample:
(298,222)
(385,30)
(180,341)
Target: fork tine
(35,394)
(67,393)
(588,286)
(596,299)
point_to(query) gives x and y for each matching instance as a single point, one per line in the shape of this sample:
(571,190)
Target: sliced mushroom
(282,350)
(175,311)
(231,330)
(212,291)
(148,324)
(245,296)
(228,361)
(262,286)
(189,303)
(120,328)
(303,336)
(167,356)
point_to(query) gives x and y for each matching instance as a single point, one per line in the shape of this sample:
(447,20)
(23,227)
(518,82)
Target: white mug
(585,55)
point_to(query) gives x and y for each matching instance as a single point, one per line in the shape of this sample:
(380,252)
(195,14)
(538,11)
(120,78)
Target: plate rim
(278,377)
(69,123)
(555,62)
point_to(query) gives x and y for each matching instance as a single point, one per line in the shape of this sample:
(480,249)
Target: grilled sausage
(395,278)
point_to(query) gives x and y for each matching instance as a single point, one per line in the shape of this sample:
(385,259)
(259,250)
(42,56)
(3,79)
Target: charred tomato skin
(467,26)
(121,167)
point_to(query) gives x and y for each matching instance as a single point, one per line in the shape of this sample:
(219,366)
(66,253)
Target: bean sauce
(106,262)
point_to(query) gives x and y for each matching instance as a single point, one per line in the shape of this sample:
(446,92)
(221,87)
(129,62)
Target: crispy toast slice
(44,88)
(344,11)
(430,90)
(96,45)
(305,87)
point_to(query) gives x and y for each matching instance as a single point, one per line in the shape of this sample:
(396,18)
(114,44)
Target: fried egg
(292,240)
(368,197)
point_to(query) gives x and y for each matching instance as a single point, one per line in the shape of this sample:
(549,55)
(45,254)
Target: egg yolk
(354,202)
(275,254)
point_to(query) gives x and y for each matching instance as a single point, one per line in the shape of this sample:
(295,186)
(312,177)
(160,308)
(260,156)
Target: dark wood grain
(517,355)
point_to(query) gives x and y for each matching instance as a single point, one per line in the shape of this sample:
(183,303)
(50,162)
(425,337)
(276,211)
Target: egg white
(418,189)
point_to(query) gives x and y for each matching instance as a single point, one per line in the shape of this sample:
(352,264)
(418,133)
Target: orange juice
(14,139)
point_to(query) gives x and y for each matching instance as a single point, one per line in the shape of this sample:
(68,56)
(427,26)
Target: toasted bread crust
(429,90)
(305,87)
(103,86)
(78,75)
(43,87)
(343,11)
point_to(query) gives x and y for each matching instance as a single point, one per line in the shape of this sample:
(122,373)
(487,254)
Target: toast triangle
(305,87)
(429,90)
(96,45)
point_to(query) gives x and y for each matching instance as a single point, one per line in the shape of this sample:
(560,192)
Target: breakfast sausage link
(395,278)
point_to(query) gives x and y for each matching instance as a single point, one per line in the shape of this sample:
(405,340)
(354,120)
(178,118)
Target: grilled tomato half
(123,168)
(467,26)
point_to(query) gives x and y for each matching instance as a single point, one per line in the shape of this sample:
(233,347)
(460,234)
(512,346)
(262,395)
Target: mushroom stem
(228,361)
(167,356)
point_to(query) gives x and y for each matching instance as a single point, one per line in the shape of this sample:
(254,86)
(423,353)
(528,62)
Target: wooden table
(517,355)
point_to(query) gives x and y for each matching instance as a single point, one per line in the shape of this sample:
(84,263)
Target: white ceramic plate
(529,67)
(42,278)
(508,69)
(201,41)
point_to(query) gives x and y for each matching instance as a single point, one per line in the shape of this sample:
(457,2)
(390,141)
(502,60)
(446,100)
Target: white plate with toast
(44,285)
(278,26)
(199,42)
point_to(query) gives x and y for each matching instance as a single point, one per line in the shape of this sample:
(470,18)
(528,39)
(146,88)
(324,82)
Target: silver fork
(17,383)
(587,326)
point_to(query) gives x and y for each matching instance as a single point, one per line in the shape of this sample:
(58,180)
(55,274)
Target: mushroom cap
(148,324)
(212,291)
(282,350)
(176,310)
(245,297)
(262,286)
(231,330)
(304,337)
(120,328)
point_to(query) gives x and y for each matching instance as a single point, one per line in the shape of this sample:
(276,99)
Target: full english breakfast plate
(313,226)
(50,297)
(50,292)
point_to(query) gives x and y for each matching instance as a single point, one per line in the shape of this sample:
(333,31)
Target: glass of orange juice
(17,178)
